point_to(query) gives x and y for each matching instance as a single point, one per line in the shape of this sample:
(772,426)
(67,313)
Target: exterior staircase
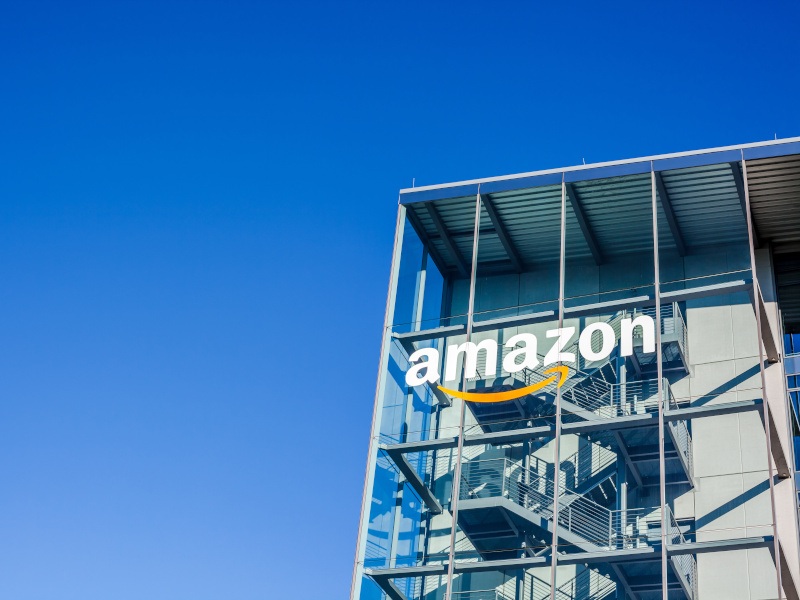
(591,390)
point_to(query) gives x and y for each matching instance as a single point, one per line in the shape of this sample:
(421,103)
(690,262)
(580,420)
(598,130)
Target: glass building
(582,391)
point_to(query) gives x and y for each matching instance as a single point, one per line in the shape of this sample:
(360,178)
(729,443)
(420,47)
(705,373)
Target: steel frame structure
(461,439)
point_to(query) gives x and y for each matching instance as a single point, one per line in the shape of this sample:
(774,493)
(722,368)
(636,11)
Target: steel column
(372,453)
(765,407)
(456,487)
(662,480)
(557,441)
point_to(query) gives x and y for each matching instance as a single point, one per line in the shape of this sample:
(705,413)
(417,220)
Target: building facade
(583,388)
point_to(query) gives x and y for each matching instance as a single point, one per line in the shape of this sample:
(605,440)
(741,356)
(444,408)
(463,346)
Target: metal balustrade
(679,431)
(673,329)
(579,467)
(595,587)
(579,515)
(684,565)
(588,584)
(597,398)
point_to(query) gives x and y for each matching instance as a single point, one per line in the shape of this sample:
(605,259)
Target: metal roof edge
(599,165)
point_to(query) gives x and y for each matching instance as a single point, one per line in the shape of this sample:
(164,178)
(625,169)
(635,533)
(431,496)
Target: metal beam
(388,586)
(461,264)
(739,181)
(666,204)
(693,293)
(705,291)
(416,482)
(426,241)
(581,427)
(502,233)
(515,321)
(749,543)
(430,334)
(711,410)
(583,221)
(624,581)
(623,449)
(609,305)
(620,555)
(422,446)
(403,572)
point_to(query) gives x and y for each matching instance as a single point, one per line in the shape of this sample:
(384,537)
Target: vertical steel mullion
(557,442)
(456,487)
(765,403)
(419,299)
(662,477)
(369,478)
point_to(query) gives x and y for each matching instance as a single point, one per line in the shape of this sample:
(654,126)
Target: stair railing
(685,564)
(579,515)
(582,465)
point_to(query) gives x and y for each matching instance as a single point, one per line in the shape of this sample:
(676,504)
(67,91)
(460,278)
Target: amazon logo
(596,342)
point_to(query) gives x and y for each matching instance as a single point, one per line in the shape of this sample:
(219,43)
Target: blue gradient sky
(198,198)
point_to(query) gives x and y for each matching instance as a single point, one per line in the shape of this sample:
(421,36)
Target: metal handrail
(596,524)
(685,563)
(597,459)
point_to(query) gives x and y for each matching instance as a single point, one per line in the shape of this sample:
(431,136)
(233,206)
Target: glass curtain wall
(408,520)
(567,305)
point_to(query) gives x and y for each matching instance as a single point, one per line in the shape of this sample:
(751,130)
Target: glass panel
(410,522)
(435,265)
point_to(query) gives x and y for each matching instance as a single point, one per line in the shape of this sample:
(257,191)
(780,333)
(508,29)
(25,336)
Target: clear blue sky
(197,202)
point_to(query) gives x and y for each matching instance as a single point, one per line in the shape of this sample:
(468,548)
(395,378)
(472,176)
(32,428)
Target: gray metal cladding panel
(608,171)
(706,204)
(697,160)
(774,185)
(777,149)
(521,183)
(417,196)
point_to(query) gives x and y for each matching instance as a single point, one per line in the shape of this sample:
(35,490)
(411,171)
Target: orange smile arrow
(560,374)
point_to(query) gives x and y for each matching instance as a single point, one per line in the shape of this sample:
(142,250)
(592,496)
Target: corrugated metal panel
(787,277)
(619,211)
(704,199)
(706,204)
(458,218)
(491,250)
(774,185)
(666,241)
(533,221)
